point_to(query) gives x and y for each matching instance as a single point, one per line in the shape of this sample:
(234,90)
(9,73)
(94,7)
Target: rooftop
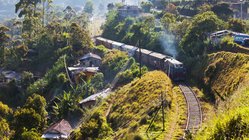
(62,129)
(90,55)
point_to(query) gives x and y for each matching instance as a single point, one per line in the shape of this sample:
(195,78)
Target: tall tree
(4,37)
(88,7)
(193,42)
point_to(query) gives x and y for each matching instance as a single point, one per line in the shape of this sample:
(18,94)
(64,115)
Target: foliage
(223,11)
(30,135)
(123,111)
(96,127)
(131,73)
(38,103)
(26,119)
(221,72)
(5,131)
(237,25)
(41,85)
(193,42)
(66,107)
(230,125)
(98,81)
(88,7)
(146,6)
(112,62)
(167,20)
(5,111)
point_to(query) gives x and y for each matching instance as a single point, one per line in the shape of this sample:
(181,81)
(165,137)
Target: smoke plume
(168,42)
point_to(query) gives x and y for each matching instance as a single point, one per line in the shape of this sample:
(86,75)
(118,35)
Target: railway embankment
(136,110)
(225,77)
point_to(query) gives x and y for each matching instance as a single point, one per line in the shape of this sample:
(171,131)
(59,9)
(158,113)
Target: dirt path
(173,124)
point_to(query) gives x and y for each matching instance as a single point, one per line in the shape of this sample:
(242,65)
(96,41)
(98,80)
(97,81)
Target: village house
(58,131)
(75,73)
(90,60)
(129,11)
(7,76)
(92,100)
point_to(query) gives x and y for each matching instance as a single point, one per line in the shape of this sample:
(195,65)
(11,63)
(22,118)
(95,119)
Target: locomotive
(172,67)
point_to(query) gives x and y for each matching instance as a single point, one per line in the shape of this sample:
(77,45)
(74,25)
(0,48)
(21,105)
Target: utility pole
(162,98)
(140,60)
(241,10)
(163,101)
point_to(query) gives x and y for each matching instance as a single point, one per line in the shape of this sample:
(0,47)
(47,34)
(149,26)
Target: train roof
(144,51)
(241,34)
(158,55)
(129,47)
(117,43)
(100,38)
(173,61)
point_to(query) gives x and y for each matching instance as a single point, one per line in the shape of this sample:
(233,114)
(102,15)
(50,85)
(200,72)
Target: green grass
(222,72)
(129,111)
(226,75)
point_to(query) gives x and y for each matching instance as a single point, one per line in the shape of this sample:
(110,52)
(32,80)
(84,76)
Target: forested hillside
(174,69)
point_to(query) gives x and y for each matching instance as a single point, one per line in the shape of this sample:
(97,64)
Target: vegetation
(37,47)
(129,111)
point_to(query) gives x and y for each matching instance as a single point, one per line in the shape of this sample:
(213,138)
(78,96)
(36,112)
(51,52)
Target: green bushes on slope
(222,72)
(231,125)
(130,109)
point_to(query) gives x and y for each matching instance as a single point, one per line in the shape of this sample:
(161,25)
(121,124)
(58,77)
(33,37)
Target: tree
(65,105)
(26,119)
(146,6)
(88,8)
(193,42)
(5,111)
(69,13)
(237,25)
(38,104)
(27,7)
(5,132)
(31,135)
(223,11)
(167,20)
(79,39)
(4,37)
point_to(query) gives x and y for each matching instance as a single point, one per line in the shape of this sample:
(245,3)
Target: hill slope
(129,111)
(222,72)
(227,76)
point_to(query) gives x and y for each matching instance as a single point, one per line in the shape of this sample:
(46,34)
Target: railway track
(194,112)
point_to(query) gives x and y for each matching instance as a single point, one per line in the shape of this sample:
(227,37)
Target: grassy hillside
(222,72)
(226,75)
(129,111)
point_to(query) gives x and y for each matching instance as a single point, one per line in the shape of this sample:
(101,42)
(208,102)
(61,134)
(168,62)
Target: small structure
(92,100)
(128,11)
(7,76)
(88,72)
(59,131)
(90,60)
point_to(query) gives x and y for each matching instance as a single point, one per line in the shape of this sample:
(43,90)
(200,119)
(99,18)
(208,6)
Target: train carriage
(117,45)
(169,65)
(129,49)
(157,60)
(144,55)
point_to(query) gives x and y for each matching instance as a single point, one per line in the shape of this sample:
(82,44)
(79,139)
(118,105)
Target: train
(172,67)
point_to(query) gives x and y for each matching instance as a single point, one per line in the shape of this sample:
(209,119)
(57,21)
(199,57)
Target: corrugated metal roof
(158,55)
(90,55)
